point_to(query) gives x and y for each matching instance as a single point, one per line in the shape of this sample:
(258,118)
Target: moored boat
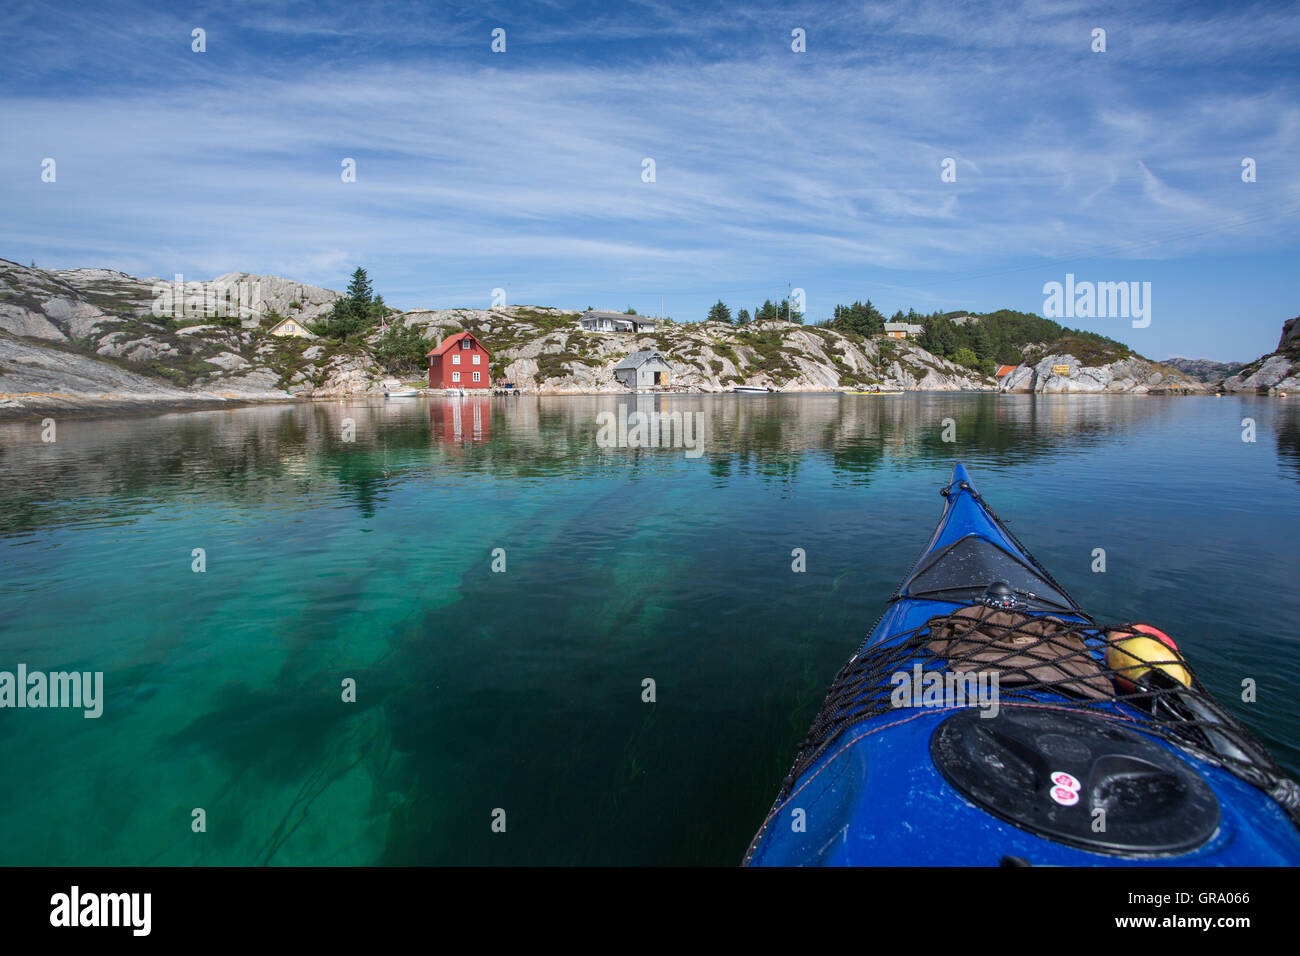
(396,389)
(751,389)
(988,719)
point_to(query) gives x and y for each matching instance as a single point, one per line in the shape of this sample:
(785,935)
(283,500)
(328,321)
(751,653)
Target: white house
(615,322)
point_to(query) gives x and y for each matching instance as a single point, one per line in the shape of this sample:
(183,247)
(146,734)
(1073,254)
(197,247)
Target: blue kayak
(989,720)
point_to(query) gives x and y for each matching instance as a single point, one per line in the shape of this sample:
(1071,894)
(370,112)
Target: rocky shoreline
(1279,371)
(90,341)
(1063,373)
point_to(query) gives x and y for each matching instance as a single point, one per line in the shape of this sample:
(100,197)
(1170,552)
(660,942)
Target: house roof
(452,340)
(1005,369)
(637,359)
(298,322)
(904,327)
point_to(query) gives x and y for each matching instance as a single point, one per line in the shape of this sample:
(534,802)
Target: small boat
(395,389)
(752,389)
(869,392)
(1091,749)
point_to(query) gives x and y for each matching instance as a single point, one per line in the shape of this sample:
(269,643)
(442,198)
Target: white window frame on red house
(476,374)
(476,358)
(455,359)
(466,343)
(455,376)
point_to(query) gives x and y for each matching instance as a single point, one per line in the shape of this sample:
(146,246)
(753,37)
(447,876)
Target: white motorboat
(395,389)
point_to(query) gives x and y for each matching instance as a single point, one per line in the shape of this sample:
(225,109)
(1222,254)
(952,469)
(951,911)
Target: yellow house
(291,327)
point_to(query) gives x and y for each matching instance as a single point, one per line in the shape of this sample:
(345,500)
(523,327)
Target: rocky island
(85,339)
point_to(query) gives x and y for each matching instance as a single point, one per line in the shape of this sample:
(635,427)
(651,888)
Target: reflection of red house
(459,361)
(457,420)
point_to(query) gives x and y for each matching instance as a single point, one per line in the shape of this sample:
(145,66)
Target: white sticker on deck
(1063,779)
(1065,796)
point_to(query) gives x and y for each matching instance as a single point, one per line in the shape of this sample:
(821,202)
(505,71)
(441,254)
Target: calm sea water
(522,691)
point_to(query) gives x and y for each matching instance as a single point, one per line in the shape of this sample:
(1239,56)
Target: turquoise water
(371,559)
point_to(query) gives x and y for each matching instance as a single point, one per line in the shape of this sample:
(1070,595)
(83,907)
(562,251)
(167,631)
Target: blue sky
(821,169)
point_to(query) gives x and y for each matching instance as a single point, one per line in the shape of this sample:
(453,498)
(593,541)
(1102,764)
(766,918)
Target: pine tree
(719,313)
(354,314)
(360,290)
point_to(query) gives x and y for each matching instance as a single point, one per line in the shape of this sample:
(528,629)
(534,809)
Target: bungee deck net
(952,661)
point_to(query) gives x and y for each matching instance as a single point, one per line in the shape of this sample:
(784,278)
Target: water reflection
(454,419)
(357,449)
(1288,438)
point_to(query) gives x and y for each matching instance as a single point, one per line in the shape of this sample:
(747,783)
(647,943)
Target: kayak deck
(866,787)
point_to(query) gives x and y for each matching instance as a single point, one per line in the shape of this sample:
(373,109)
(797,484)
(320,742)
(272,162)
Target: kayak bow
(920,756)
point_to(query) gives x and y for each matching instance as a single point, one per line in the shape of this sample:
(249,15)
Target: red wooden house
(459,361)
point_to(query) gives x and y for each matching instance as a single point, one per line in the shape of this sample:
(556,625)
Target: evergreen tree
(719,313)
(860,318)
(360,290)
(981,342)
(938,335)
(355,314)
(742,318)
(786,311)
(402,349)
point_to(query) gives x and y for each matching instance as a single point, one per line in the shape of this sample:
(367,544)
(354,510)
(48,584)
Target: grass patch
(556,364)
(1089,351)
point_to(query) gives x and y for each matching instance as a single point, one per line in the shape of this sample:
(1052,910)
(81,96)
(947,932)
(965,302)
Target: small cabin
(643,370)
(903,330)
(460,361)
(290,327)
